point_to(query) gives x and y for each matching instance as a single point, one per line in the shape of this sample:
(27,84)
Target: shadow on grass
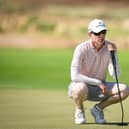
(111,123)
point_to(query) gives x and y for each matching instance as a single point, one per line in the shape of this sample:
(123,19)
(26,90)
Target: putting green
(49,109)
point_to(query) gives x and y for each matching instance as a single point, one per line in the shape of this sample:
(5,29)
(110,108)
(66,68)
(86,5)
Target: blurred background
(37,41)
(37,38)
(60,23)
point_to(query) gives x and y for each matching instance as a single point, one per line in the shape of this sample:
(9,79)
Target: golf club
(116,77)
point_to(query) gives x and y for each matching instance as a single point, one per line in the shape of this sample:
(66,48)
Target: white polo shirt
(90,66)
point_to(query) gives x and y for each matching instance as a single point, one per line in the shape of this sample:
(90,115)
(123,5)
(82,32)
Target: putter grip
(113,58)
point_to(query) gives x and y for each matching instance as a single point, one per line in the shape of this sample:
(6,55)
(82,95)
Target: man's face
(98,39)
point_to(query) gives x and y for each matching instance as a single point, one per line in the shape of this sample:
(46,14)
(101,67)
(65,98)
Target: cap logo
(100,24)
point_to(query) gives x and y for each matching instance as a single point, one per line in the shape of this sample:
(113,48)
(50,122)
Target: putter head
(123,124)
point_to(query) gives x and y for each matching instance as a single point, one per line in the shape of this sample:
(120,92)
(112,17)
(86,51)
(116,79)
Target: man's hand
(112,47)
(104,89)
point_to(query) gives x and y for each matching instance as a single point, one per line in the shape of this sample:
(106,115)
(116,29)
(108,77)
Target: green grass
(37,68)
(124,63)
(46,109)
(30,98)
(42,68)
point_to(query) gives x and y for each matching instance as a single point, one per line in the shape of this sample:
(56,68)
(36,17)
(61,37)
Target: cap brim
(99,29)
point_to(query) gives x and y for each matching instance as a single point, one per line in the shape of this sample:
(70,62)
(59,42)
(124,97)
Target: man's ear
(89,34)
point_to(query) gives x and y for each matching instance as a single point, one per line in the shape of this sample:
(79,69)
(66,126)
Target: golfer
(89,66)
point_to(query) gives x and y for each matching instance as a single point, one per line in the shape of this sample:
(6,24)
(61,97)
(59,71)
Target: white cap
(96,26)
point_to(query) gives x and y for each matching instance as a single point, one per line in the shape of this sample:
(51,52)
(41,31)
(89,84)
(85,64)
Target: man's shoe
(80,117)
(98,115)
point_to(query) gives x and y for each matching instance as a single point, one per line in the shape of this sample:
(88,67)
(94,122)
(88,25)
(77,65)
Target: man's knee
(80,91)
(124,90)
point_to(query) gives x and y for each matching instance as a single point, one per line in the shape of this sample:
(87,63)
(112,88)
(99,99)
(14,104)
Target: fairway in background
(35,68)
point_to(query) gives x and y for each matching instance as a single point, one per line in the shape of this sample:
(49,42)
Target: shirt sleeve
(76,75)
(111,68)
